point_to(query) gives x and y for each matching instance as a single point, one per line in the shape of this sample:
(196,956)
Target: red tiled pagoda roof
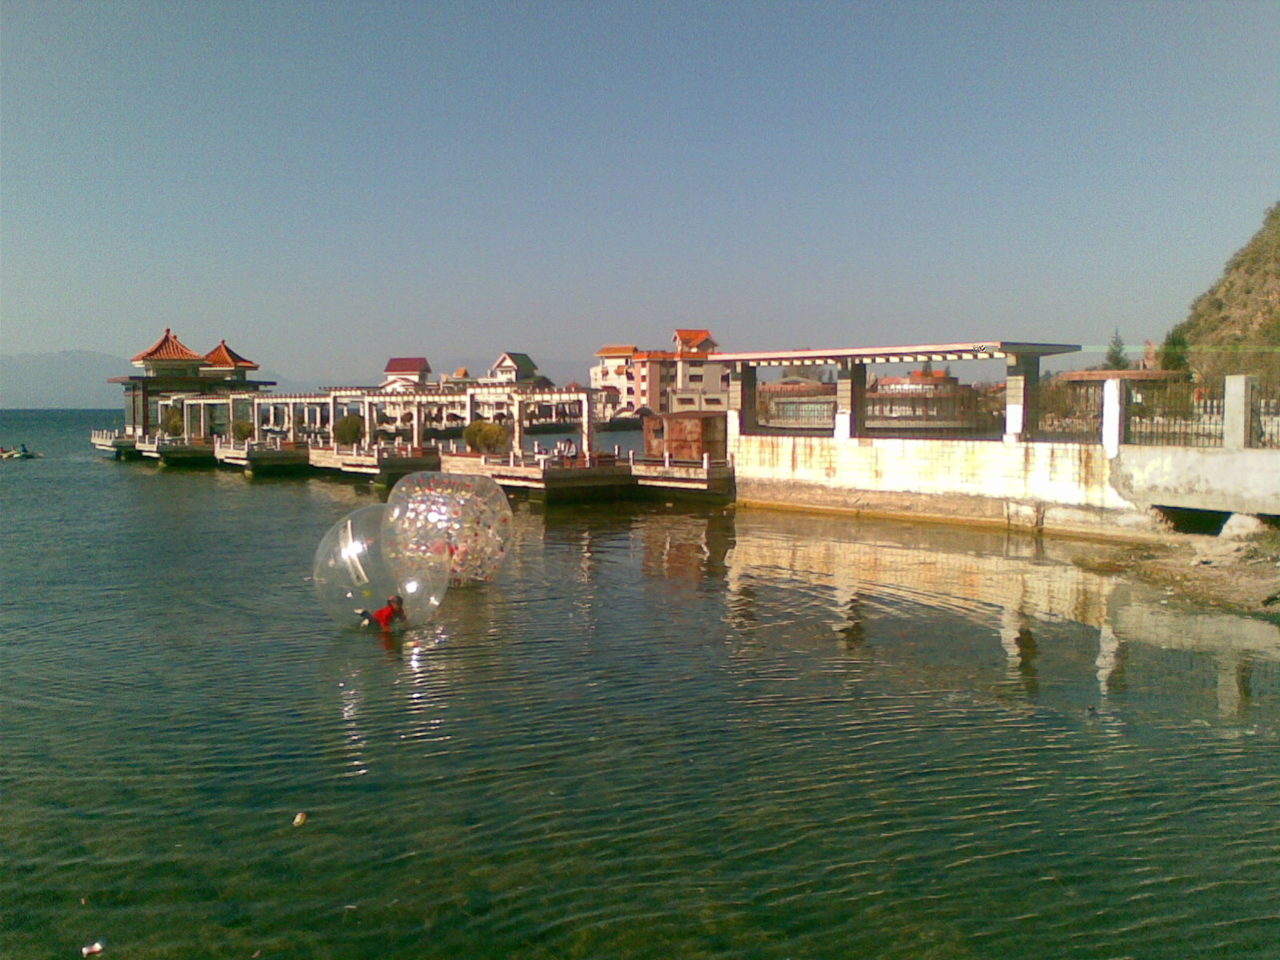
(167,347)
(223,356)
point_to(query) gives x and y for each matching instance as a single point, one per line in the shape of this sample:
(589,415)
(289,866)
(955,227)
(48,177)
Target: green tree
(172,422)
(486,437)
(349,429)
(1175,351)
(1116,358)
(242,430)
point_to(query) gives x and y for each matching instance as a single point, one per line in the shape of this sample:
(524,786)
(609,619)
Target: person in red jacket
(385,617)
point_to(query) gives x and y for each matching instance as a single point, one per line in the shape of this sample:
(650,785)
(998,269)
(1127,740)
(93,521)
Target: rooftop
(916,353)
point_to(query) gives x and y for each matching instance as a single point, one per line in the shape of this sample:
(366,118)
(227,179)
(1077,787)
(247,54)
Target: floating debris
(93,948)
(300,819)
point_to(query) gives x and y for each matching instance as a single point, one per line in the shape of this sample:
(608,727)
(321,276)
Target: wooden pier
(552,479)
(116,443)
(542,476)
(262,457)
(172,451)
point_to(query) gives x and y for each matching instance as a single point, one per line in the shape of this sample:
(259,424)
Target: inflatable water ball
(351,571)
(470,514)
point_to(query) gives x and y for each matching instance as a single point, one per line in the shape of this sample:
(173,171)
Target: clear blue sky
(329,184)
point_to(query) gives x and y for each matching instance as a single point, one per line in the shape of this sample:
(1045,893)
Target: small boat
(20,454)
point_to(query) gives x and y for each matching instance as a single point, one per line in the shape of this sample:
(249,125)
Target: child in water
(385,617)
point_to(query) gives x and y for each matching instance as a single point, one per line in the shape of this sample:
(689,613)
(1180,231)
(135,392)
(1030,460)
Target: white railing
(667,460)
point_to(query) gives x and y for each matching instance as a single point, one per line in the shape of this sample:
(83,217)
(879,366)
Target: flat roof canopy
(917,353)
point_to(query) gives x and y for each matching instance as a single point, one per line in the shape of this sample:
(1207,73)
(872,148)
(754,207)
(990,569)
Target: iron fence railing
(798,412)
(1070,412)
(1264,415)
(1174,413)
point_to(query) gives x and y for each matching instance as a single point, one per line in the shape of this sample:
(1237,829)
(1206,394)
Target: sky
(329,184)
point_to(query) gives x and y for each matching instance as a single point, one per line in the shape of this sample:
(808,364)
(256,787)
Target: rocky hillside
(1234,327)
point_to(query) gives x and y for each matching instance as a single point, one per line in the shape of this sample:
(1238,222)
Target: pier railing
(1070,412)
(1264,415)
(1174,414)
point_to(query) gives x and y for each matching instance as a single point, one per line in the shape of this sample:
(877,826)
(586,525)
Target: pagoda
(173,372)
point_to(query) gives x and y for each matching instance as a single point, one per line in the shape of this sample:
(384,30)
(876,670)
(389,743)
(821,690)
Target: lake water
(662,733)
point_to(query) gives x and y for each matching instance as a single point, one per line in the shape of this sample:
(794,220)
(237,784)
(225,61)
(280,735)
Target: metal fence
(1174,413)
(1264,415)
(799,412)
(1070,412)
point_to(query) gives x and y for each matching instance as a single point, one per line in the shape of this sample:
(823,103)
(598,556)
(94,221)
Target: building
(514,368)
(685,378)
(172,374)
(614,377)
(406,373)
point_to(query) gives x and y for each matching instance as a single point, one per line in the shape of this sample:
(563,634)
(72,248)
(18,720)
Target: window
(695,378)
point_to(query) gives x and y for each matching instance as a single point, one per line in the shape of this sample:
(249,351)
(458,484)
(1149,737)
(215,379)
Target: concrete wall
(1102,488)
(1236,481)
(1033,485)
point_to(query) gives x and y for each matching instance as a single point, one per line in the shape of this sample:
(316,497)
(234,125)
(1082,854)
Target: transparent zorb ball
(352,572)
(469,514)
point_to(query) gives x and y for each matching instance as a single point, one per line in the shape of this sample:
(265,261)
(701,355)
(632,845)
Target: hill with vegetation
(1234,326)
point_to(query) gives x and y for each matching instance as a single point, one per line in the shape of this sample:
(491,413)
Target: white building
(686,377)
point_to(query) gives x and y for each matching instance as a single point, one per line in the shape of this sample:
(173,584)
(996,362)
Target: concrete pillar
(851,401)
(1113,396)
(1237,411)
(743,397)
(1022,398)
(588,425)
(517,425)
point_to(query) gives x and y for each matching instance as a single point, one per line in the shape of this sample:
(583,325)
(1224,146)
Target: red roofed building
(694,341)
(172,372)
(223,359)
(169,355)
(406,373)
(685,378)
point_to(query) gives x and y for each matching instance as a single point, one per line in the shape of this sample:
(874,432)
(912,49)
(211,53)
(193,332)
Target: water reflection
(1011,582)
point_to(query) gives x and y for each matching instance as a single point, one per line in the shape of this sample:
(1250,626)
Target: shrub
(172,422)
(242,430)
(486,437)
(349,430)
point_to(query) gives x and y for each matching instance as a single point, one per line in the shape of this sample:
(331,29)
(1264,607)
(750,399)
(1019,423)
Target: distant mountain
(70,379)
(1234,326)
(77,379)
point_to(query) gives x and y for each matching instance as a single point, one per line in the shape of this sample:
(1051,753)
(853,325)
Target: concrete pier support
(851,401)
(743,398)
(1022,398)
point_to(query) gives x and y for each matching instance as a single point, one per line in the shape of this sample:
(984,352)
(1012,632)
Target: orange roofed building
(172,371)
(684,378)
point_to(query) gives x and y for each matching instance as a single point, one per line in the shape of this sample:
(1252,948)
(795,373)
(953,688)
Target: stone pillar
(851,401)
(588,425)
(743,397)
(1237,411)
(1022,398)
(1112,417)
(517,425)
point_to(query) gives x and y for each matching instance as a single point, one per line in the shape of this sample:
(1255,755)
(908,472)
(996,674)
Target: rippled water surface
(662,733)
